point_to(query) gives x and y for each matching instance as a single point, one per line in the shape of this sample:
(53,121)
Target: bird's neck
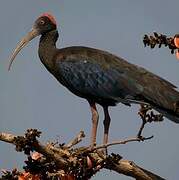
(47,48)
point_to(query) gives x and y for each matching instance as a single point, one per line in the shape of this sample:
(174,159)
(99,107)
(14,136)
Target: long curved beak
(24,41)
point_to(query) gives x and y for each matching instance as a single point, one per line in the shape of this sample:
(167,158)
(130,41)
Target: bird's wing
(92,72)
(89,79)
(156,90)
(98,74)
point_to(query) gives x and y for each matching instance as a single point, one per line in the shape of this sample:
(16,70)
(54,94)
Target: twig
(76,140)
(6,137)
(159,39)
(147,117)
(133,139)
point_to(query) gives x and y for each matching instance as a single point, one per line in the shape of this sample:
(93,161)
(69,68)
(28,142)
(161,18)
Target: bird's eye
(42,22)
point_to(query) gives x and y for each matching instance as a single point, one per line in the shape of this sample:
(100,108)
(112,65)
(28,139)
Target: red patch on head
(52,19)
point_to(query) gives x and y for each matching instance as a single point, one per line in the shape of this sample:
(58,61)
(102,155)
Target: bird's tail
(165,99)
(171,113)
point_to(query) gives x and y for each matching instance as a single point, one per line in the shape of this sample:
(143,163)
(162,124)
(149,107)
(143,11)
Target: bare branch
(76,140)
(129,168)
(147,116)
(6,137)
(132,139)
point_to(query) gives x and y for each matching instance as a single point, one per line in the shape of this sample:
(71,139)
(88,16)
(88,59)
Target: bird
(100,77)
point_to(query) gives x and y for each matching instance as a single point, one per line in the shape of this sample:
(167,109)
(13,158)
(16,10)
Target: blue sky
(31,98)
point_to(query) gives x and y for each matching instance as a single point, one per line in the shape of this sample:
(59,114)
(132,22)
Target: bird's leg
(106,123)
(95,119)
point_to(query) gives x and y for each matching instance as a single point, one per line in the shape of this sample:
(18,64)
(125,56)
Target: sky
(30,97)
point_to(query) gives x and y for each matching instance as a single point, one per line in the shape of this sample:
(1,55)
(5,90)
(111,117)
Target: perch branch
(37,146)
(80,165)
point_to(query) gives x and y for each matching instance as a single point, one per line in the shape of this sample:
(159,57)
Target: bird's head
(45,23)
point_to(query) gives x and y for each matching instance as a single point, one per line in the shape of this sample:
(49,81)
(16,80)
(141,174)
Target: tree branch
(80,163)
(129,168)
(159,39)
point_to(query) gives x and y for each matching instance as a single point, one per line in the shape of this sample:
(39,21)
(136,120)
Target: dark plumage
(101,77)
